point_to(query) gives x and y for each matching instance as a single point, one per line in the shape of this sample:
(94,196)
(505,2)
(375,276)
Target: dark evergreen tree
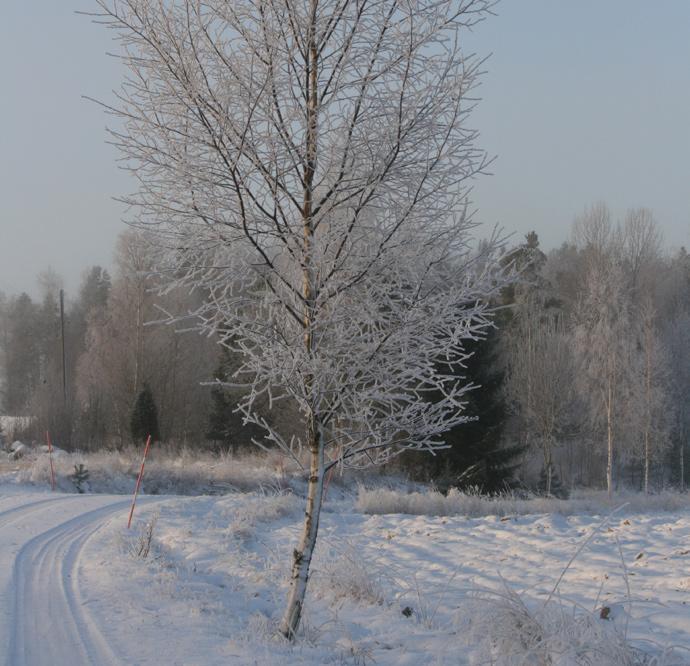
(144,421)
(219,416)
(557,488)
(222,421)
(677,460)
(93,299)
(225,425)
(528,259)
(80,478)
(477,457)
(95,289)
(22,355)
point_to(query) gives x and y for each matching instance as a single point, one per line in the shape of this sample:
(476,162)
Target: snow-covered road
(43,617)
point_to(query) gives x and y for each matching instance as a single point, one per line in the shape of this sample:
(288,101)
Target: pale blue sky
(586,100)
(583,100)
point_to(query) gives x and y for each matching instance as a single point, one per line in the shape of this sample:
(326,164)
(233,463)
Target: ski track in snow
(44,616)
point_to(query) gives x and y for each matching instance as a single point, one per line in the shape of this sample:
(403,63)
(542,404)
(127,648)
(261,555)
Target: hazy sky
(583,100)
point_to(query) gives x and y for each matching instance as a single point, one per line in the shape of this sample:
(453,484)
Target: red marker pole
(141,474)
(50,456)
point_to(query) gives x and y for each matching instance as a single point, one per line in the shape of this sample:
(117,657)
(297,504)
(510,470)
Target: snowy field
(79,588)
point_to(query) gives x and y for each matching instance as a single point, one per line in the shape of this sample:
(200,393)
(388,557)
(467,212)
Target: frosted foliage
(306,167)
(604,332)
(381,501)
(605,346)
(506,630)
(187,472)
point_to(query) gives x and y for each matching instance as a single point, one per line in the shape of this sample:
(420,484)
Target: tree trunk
(139,344)
(648,409)
(646,463)
(609,436)
(548,466)
(301,556)
(682,466)
(548,480)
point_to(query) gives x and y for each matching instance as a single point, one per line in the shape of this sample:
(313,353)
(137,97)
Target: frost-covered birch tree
(651,391)
(306,164)
(604,345)
(540,381)
(641,247)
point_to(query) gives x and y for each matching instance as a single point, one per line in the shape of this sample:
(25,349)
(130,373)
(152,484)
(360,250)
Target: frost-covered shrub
(80,478)
(167,472)
(262,508)
(457,503)
(503,628)
(141,546)
(342,572)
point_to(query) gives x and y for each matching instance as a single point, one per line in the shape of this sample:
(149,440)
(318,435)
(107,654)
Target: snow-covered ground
(76,587)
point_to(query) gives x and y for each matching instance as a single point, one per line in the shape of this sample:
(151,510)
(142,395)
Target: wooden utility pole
(62,336)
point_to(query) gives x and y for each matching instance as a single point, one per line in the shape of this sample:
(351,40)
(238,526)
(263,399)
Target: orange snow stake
(50,456)
(141,474)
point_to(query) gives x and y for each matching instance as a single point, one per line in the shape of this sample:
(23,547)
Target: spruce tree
(557,488)
(144,421)
(220,427)
(219,416)
(477,456)
(226,426)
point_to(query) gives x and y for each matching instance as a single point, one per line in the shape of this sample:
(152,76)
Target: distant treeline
(584,382)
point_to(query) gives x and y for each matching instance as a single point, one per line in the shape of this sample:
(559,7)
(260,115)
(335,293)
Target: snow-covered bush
(140,546)
(18,450)
(504,628)
(456,503)
(181,472)
(262,508)
(344,573)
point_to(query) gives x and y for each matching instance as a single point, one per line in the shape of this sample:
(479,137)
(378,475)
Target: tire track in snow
(51,624)
(13,514)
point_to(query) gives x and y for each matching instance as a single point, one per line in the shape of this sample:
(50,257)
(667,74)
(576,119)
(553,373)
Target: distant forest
(584,381)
